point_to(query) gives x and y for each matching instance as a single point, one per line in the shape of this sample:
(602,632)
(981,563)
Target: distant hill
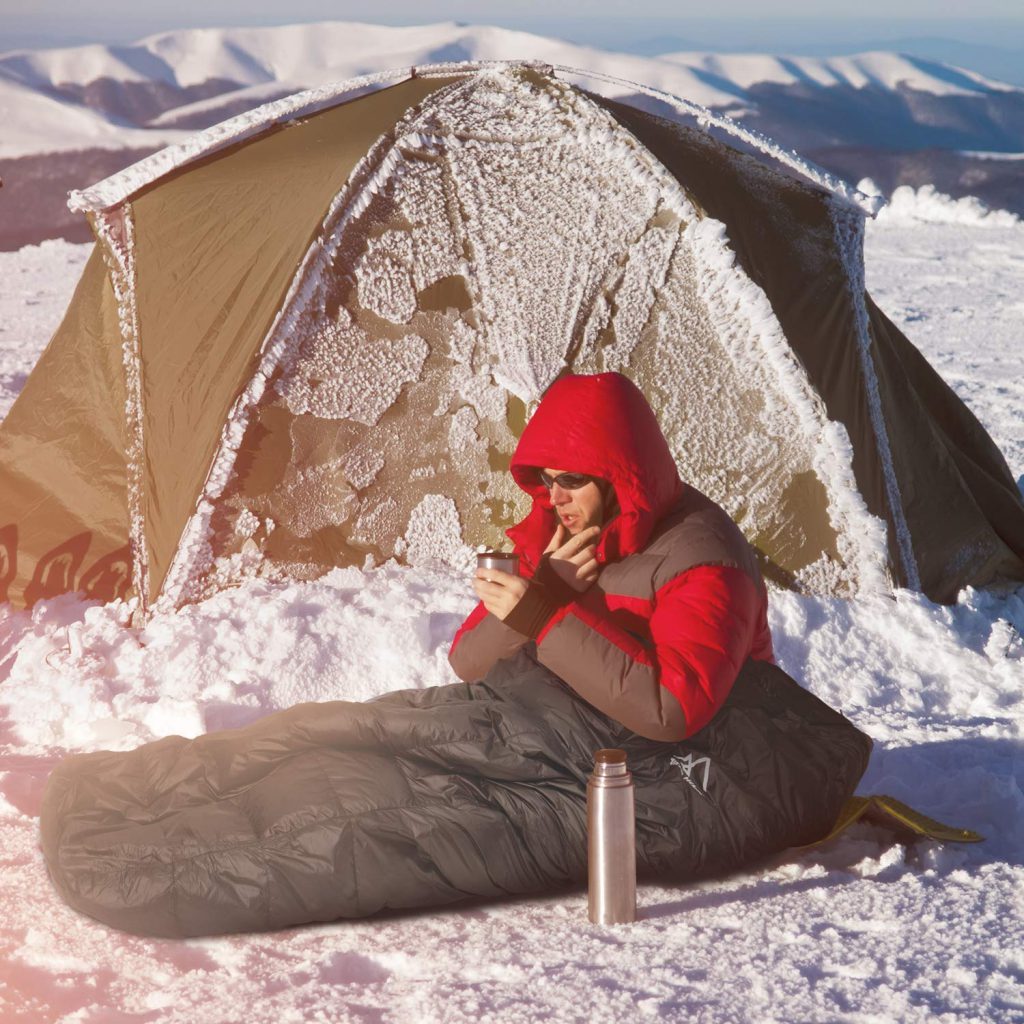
(74,114)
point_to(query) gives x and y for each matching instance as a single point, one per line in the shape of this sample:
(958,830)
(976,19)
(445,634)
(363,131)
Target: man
(639,592)
(641,602)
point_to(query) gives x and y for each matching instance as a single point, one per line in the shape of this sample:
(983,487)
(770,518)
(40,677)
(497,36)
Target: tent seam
(119,256)
(706,118)
(125,184)
(849,236)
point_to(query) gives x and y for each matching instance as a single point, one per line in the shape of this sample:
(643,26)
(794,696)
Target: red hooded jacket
(679,606)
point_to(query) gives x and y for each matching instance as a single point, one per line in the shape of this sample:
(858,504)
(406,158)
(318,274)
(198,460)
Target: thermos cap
(610,762)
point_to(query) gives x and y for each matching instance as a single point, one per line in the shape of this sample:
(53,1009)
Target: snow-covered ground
(860,930)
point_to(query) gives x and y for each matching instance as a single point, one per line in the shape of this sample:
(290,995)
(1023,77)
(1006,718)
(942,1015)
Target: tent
(311,336)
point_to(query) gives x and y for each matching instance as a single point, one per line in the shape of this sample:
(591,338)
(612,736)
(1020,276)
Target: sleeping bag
(423,798)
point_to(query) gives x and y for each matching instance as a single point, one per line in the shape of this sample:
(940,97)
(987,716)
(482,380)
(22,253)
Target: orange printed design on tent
(57,570)
(8,557)
(109,578)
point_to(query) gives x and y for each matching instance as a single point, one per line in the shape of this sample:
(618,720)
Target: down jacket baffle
(679,606)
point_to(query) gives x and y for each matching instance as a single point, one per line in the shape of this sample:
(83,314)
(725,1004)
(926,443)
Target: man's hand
(499,591)
(575,559)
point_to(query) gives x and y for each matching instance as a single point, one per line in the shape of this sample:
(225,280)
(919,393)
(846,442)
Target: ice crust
(705,118)
(849,233)
(790,436)
(463,267)
(385,280)
(347,374)
(434,535)
(116,232)
(185,579)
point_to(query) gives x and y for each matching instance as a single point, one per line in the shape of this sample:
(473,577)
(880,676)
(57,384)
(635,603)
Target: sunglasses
(567,481)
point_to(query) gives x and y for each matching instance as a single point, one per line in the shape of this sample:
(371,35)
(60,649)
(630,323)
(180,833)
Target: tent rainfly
(311,336)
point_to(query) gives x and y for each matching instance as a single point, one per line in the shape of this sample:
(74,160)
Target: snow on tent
(311,336)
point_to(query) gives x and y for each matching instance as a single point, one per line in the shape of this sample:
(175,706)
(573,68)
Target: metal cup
(504,561)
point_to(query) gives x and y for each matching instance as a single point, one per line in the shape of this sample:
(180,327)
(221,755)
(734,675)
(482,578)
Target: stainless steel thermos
(611,832)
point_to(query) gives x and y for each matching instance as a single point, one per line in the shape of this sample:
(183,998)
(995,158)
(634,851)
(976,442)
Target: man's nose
(559,495)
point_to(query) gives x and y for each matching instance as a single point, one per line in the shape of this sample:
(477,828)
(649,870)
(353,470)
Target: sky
(799,20)
(991,40)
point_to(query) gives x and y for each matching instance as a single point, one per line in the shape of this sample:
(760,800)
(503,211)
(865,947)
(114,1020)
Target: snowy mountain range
(76,114)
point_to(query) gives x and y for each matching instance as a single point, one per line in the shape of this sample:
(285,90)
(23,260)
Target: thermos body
(611,831)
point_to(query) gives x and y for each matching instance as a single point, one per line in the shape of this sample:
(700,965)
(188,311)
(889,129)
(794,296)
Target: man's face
(579,507)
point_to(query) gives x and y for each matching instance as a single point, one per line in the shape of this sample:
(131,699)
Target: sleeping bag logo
(689,769)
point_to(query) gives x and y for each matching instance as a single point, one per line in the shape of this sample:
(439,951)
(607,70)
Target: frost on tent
(435,535)
(384,279)
(506,231)
(375,370)
(731,428)
(454,296)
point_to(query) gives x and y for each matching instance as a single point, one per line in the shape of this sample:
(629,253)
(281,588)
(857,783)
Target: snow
(925,205)
(321,61)
(37,123)
(861,929)
(305,56)
(35,289)
(987,155)
(955,288)
(876,69)
(290,58)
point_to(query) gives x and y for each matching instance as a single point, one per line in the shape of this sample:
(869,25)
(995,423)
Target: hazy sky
(234,11)
(650,26)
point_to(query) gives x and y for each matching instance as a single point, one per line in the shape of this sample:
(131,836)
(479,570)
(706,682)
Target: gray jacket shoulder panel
(700,533)
(697,532)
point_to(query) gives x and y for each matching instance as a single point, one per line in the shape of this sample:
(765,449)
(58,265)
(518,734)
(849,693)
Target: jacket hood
(600,425)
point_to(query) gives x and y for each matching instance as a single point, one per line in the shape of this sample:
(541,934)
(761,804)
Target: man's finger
(556,538)
(496,576)
(488,591)
(583,555)
(583,538)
